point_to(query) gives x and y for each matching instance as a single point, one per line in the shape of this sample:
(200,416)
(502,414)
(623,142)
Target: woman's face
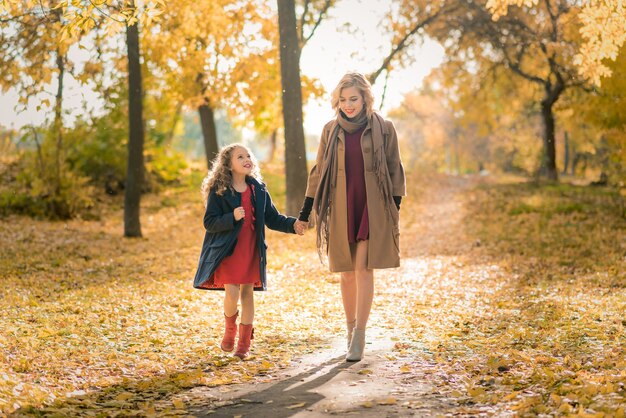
(350,101)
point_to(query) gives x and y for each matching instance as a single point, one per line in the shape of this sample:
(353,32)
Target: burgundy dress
(358,222)
(243,265)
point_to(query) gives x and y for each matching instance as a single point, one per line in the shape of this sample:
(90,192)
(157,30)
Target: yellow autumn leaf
(475,391)
(178,404)
(124,396)
(565,408)
(510,396)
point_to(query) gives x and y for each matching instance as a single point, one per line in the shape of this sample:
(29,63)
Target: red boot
(228,342)
(246,333)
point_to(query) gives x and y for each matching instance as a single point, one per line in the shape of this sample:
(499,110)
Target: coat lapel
(258,201)
(232,198)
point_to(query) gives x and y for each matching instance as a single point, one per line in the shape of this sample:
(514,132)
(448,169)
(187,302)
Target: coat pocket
(217,247)
(396,237)
(218,241)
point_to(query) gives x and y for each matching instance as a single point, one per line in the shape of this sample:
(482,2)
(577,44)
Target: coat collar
(234,199)
(257,189)
(254,182)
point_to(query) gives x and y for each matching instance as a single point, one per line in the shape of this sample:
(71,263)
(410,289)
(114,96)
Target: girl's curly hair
(220,176)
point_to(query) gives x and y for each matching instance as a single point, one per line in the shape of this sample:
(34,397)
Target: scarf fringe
(322,201)
(380,166)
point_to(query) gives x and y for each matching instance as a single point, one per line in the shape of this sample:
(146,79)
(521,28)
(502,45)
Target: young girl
(233,257)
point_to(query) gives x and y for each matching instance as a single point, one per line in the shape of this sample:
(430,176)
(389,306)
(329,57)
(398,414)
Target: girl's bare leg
(231,297)
(364,285)
(247,303)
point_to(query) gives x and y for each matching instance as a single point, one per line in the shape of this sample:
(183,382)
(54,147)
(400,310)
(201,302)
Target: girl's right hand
(239,213)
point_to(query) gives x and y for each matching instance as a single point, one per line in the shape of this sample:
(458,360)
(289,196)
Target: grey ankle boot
(357,345)
(350,327)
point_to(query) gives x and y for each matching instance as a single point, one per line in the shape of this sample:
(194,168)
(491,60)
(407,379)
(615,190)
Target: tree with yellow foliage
(594,127)
(34,59)
(497,115)
(537,45)
(76,19)
(215,55)
(603,30)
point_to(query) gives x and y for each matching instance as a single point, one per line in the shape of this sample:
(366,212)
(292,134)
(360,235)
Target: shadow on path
(283,399)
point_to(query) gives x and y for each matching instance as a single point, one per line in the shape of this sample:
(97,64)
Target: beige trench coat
(384,233)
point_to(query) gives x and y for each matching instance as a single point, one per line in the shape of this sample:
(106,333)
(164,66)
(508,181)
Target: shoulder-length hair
(359,81)
(220,175)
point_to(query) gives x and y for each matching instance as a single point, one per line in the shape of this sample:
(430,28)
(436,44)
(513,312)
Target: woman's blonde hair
(359,81)
(220,175)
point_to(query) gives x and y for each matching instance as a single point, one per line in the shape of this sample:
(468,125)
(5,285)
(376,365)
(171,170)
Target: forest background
(537,91)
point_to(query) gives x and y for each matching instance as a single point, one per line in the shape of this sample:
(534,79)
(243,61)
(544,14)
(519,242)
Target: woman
(356,187)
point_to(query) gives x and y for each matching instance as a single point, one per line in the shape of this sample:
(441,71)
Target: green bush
(165,165)
(98,149)
(45,186)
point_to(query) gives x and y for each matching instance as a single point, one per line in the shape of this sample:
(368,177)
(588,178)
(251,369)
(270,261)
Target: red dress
(358,220)
(243,265)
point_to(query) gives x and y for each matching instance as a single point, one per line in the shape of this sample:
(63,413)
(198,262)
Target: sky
(330,53)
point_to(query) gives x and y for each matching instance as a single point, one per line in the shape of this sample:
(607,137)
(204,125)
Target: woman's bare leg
(348,295)
(364,285)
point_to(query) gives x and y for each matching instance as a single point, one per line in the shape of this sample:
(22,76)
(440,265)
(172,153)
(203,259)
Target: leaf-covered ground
(511,300)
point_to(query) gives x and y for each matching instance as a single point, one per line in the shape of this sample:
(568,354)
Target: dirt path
(389,381)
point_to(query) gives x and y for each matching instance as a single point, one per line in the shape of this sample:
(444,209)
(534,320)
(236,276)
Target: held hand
(239,213)
(300,227)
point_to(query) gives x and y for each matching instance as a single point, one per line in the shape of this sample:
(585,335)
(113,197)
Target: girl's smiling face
(350,101)
(241,162)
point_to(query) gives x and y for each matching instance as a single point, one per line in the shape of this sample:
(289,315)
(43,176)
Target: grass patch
(568,225)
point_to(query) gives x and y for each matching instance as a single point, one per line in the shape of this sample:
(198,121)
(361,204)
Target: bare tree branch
(320,17)
(302,21)
(403,44)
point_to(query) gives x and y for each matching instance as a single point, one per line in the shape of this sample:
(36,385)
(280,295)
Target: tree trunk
(457,158)
(57,204)
(175,119)
(272,150)
(548,165)
(57,124)
(58,121)
(575,161)
(209,131)
(566,157)
(134,174)
(295,152)
(552,93)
